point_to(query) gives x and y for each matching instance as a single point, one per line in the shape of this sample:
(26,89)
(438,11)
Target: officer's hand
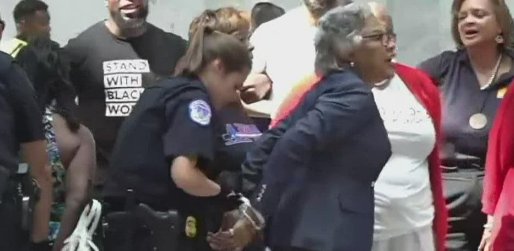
(221,241)
(240,235)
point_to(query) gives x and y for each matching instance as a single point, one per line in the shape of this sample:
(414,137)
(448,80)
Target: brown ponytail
(194,54)
(207,45)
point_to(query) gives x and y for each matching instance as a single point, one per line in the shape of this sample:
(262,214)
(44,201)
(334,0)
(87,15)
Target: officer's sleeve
(336,115)
(28,116)
(189,129)
(28,61)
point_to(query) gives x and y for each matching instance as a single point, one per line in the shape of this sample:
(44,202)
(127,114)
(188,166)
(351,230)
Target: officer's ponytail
(207,45)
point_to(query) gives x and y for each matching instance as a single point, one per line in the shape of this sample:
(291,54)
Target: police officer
(157,176)
(21,129)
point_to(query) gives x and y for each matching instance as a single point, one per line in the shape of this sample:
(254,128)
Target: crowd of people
(267,130)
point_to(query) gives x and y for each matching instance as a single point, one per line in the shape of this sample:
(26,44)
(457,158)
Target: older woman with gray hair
(321,159)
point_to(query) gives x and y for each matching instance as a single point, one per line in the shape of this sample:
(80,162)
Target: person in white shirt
(408,190)
(283,55)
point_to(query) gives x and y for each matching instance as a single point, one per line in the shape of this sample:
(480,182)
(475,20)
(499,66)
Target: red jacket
(428,95)
(498,197)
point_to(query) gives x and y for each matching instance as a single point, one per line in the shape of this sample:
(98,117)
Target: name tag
(501,92)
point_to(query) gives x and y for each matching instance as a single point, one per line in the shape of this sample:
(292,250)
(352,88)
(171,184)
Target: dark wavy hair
(49,76)
(503,17)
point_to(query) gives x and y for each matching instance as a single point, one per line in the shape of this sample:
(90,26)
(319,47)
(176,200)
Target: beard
(319,7)
(132,20)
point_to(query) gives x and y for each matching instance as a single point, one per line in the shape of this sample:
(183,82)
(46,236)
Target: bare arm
(34,154)
(189,178)
(78,185)
(255,88)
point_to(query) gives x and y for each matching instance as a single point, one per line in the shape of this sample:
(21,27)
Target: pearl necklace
(383,84)
(495,72)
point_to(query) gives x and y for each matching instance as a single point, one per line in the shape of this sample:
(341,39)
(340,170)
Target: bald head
(380,11)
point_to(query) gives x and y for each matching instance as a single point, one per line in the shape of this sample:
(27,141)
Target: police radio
(27,194)
(4,178)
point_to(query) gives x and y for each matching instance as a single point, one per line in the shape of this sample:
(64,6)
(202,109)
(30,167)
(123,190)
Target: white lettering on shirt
(123,83)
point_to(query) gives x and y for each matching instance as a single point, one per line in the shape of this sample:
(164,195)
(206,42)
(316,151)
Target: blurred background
(423,26)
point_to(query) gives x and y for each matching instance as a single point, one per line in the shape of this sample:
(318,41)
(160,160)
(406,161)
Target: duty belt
(163,226)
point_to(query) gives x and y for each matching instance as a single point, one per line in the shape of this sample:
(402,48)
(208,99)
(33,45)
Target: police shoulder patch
(200,112)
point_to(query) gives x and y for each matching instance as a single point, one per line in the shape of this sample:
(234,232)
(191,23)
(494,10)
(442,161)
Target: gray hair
(339,32)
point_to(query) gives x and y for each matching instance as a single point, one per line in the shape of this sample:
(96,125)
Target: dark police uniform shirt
(109,75)
(20,117)
(172,118)
(462,98)
(235,136)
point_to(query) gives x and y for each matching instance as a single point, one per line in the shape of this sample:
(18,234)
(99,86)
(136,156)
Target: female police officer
(165,146)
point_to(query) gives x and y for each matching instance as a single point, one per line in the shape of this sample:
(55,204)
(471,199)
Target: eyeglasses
(384,38)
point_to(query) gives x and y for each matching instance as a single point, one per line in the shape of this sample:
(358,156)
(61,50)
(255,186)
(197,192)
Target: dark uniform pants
(11,235)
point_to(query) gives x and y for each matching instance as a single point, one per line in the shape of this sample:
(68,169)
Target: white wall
(423,26)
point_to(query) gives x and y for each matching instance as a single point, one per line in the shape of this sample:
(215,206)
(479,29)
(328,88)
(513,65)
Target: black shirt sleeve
(72,57)
(28,61)
(28,116)
(189,128)
(437,67)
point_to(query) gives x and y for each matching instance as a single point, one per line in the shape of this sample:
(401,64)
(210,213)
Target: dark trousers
(12,237)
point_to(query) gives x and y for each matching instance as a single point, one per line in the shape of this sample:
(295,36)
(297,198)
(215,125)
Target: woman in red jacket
(498,198)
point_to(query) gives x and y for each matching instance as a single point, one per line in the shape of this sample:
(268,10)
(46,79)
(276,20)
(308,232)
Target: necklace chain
(494,74)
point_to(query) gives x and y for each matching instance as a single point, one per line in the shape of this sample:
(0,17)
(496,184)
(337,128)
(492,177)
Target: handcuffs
(251,214)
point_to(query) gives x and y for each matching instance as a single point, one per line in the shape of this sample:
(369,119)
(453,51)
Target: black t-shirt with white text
(109,75)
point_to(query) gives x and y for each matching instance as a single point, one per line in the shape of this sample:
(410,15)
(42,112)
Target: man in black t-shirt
(32,19)
(21,129)
(110,65)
